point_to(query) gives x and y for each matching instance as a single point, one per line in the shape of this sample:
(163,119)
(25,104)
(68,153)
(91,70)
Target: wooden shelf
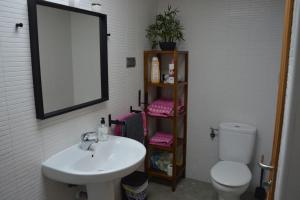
(165,52)
(162,148)
(181,114)
(180,141)
(166,85)
(161,174)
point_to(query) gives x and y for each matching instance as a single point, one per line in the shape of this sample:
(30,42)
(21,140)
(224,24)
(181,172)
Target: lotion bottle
(171,78)
(155,73)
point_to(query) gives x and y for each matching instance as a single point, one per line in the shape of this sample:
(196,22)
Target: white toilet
(231,175)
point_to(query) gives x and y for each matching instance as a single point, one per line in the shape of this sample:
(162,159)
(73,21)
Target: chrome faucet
(87,140)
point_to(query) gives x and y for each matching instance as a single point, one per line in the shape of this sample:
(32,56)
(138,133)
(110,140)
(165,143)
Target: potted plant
(166,30)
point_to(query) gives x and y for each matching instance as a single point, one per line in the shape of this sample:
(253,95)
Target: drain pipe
(81,195)
(213,132)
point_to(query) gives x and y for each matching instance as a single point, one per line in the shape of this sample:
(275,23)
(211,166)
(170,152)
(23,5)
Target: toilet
(231,175)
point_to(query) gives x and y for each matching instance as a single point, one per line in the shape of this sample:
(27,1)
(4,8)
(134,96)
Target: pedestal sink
(110,160)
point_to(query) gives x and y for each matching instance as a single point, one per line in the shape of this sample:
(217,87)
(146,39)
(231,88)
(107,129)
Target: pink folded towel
(118,128)
(162,139)
(163,108)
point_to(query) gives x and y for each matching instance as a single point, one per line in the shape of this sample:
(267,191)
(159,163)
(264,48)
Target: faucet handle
(86,136)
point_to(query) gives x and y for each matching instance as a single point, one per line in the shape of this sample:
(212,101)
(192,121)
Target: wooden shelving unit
(180,59)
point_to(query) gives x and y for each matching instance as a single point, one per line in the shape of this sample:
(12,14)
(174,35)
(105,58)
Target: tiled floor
(187,189)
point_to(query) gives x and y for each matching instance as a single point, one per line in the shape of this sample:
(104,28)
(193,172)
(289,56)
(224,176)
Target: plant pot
(167,46)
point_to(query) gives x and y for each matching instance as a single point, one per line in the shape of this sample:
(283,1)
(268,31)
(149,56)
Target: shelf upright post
(146,80)
(186,88)
(175,119)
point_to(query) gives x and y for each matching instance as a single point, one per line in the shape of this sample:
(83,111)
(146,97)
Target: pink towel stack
(163,108)
(162,139)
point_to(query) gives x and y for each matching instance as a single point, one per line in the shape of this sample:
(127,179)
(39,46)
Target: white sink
(110,160)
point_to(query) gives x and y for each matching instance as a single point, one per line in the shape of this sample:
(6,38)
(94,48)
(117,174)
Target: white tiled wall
(234,62)
(24,141)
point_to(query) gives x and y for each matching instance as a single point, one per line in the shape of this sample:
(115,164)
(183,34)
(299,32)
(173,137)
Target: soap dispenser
(102,130)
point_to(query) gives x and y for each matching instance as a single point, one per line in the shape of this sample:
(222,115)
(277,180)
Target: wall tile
(24,141)
(234,65)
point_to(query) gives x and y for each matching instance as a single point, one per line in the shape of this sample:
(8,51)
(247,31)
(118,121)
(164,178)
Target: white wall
(234,65)
(24,141)
(287,186)
(55,57)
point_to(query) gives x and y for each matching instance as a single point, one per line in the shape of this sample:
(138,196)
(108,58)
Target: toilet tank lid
(238,127)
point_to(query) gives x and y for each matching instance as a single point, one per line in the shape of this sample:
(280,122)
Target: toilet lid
(231,174)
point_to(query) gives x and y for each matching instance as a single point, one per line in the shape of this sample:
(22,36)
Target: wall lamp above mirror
(69,57)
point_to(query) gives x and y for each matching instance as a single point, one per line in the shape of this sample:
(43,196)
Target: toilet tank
(236,142)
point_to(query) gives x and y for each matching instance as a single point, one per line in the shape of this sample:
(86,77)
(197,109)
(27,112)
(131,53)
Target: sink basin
(110,160)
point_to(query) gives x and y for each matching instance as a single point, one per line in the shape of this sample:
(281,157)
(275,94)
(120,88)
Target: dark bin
(134,186)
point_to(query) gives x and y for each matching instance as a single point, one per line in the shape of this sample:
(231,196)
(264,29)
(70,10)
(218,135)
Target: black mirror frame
(35,58)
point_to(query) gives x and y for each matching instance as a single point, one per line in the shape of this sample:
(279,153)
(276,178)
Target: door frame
(281,95)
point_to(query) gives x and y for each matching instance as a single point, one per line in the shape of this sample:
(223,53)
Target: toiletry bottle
(102,130)
(155,73)
(171,78)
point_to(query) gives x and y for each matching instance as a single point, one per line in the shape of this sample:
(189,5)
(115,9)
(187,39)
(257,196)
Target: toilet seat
(231,174)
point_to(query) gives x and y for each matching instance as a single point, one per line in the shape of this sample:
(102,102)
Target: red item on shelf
(162,139)
(163,108)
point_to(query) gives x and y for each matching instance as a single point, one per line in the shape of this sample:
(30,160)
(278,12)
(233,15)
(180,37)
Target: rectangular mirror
(69,57)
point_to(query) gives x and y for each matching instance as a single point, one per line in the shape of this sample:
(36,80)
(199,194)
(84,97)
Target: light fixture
(96,5)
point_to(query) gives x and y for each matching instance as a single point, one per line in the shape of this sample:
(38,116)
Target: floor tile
(187,189)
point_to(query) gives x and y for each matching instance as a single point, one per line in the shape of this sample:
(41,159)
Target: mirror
(69,57)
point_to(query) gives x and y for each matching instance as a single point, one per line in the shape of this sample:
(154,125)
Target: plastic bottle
(102,130)
(171,78)
(155,72)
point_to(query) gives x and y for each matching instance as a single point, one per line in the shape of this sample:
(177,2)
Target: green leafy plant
(166,28)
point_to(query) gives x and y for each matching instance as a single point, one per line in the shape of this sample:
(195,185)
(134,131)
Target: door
(288,18)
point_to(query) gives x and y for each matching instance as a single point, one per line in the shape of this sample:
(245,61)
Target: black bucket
(134,186)
(167,46)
